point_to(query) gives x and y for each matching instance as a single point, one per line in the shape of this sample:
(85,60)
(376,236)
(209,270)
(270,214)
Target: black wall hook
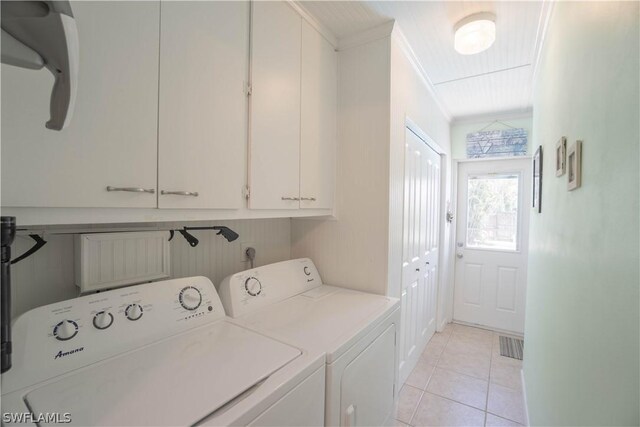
(226,232)
(40,242)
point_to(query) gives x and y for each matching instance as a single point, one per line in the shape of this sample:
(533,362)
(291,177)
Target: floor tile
(439,340)
(461,388)
(408,400)
(431,354)
(494,421)
(505,374)
(437,411)
(466,344)
(399,423)
(470,331)
(475,365)
(506,403)
(447,329)
(420,375)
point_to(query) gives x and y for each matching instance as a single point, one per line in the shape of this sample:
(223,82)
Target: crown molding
(376,33)
(298,6)
(410,54)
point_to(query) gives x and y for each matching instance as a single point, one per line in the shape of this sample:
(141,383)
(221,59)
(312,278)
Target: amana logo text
(66,353)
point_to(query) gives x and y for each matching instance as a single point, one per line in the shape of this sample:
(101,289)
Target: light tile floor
(461,380)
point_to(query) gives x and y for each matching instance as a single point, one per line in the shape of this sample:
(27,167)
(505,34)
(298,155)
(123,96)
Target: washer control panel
(64,336)
(247,291)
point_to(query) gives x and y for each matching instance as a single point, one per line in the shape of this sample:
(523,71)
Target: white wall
(459,131)
(582,331)
(378,87)
(352,250)
(48,275)
(411,98)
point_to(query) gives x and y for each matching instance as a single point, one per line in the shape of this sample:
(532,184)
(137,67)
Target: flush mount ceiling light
(475,33)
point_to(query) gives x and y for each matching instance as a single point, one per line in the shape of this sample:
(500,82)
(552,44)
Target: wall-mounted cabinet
(318,120)
(180,107)
(293,111)
(274,175)
(112,137)
(204,62)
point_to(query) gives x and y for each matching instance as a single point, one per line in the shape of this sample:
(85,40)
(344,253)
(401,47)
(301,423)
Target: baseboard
(524,398)
(443,324)
(488,328)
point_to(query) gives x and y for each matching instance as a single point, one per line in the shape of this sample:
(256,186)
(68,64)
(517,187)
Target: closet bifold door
(204,56)
(111,140)
(318,120)
(274,171)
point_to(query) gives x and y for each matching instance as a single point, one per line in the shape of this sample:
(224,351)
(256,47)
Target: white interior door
(420,250)
(492,243)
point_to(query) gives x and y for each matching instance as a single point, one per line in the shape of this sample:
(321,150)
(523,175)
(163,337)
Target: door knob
(459,255)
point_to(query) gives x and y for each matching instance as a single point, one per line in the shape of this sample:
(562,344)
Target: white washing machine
(161,353)
(357,331)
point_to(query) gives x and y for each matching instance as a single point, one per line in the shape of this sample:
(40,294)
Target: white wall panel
(378,88)
(48,276)
(352,251)
(412,99)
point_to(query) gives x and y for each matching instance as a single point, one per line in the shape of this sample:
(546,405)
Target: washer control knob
(190,298)
(102,320)
(133,311)
(253,286)
(65,330)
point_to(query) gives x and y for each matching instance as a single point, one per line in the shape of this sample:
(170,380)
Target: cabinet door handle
(179,193)
(311,199)
(132,189)
(290,198)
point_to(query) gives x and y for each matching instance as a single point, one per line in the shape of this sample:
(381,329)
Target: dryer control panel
(250,290)
(61,337)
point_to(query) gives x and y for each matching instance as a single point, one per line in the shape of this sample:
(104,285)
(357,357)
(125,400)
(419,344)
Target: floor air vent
(511,347)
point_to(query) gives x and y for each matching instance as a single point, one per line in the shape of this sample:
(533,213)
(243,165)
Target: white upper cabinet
(317,120)
(274,175)
(204,63)
(112,136)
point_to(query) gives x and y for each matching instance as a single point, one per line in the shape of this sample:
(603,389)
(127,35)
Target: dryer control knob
(65,330)
(190,298)
(102,320)
(253,286)
(133,311)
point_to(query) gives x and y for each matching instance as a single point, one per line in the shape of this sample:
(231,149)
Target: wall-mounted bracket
(226,232)
(39,243)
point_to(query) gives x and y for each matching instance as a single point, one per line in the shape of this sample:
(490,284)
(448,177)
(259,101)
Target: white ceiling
(496,81)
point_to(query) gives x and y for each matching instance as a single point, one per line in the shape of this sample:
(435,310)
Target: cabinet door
(204,57)
(318,120)
(112,137)
(275,107)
